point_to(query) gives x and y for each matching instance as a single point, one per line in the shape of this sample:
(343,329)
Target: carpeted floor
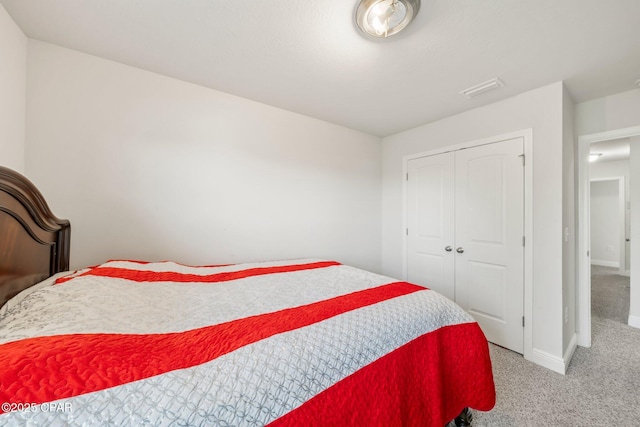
(602,385)
(609,294)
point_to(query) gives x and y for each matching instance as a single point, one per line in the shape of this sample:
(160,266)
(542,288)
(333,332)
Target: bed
(281,343)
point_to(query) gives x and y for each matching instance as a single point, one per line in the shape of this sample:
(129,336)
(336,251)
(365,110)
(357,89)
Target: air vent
(482,87)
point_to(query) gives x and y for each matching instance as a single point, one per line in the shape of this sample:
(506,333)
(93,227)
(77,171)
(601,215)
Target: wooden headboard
(34,243)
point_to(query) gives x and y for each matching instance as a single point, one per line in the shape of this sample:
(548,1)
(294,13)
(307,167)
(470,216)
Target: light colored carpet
(601,388)
(609,294)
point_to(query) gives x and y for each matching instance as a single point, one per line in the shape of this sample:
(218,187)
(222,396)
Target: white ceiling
(306,56)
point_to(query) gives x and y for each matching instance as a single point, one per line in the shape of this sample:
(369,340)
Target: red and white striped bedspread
(288,343)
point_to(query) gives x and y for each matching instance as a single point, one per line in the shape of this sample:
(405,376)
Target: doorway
(608,220)
(583,293)
(609,286)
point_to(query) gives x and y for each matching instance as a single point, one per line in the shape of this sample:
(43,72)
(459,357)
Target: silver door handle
(460,250)
(448,249)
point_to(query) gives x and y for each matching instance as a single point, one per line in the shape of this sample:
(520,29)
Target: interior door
(489,239)
(430,220)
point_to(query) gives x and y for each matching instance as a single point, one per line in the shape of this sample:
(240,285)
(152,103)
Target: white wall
(13,66)
(634,166)
(541,110)
(608,113)
(149,167)
(611,113)
(605,223)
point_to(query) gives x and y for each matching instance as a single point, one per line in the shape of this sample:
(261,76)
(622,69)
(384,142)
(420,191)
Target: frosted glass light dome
(384,18)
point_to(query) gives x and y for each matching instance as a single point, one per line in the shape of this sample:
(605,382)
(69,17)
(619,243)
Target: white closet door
(430,211)
(489,239)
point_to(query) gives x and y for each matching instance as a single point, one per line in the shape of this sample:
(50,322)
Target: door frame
(583,285)
(527,136)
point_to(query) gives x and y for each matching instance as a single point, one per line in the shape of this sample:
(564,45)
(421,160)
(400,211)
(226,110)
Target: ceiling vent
(494,83)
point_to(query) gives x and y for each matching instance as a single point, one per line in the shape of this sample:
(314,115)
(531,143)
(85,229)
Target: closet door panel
(430,221)
(489,230)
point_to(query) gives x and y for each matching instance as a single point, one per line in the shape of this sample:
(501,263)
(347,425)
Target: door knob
(448,249)
(460,250)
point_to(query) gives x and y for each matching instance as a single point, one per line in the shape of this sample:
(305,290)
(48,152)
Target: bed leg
(464,419)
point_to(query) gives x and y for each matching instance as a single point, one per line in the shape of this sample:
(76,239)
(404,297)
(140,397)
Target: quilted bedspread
(289,343)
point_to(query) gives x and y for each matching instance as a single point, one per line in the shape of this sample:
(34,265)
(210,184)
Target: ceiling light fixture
(384,18)
(594,156)
(494,83)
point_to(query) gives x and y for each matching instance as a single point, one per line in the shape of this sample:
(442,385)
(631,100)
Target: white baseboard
(549,361)
(603,263)
(634,321)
